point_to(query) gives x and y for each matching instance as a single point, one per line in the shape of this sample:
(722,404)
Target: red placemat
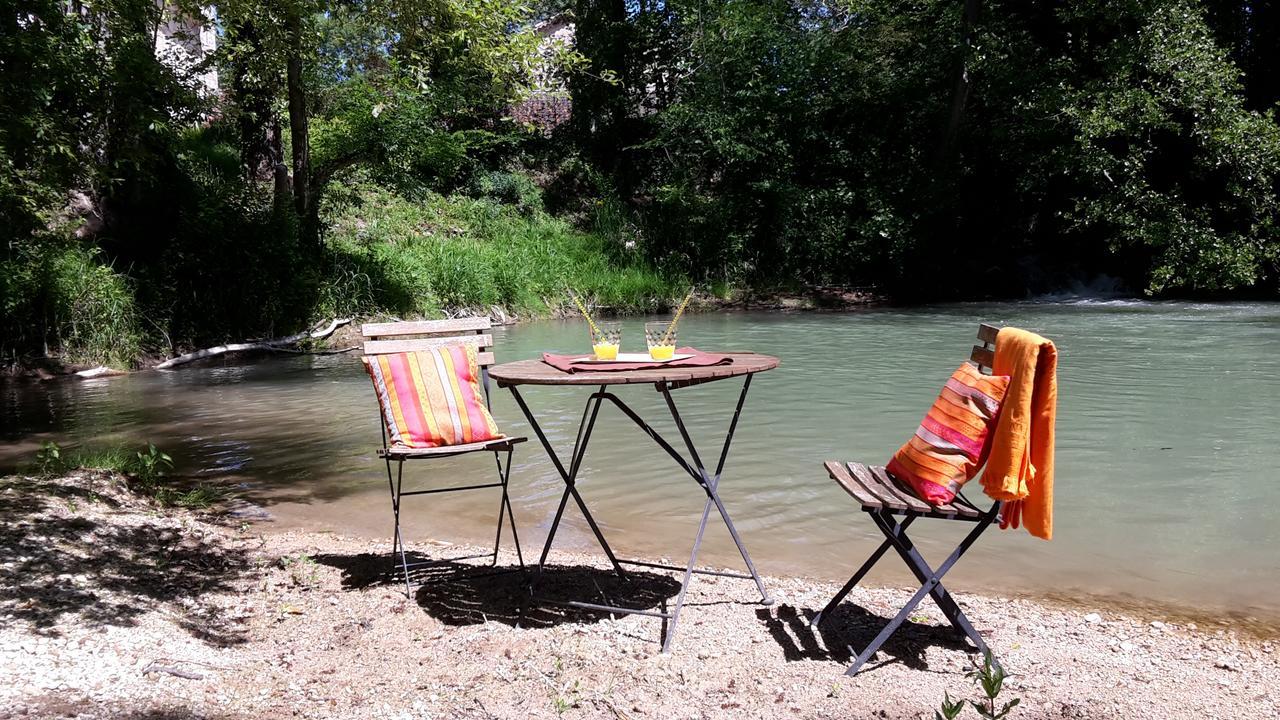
(574,363)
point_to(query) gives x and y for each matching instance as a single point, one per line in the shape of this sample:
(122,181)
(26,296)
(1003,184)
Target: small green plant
(990,678)
(151,465)
(49,458)
(303,570)
(563,703)
(950,708)
(197,498)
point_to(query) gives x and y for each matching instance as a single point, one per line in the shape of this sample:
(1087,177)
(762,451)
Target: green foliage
(1174,161)
(950,708)
(990,678)
(304,571)
(907,147)
(62,293)
(150,466)
(406,257)
(49,458)
(147,467)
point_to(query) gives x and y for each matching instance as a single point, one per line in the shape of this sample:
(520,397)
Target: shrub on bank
(393,255)
(62,294)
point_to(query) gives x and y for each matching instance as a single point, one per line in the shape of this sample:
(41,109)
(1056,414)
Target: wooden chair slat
(425,327)
(840,474)
(891,485)
(985,357)
(987,333)
(964,510)
(863,475)
(395,452)
(483,359)
(382,347)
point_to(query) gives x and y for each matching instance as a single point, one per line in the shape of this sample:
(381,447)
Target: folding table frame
(693,466)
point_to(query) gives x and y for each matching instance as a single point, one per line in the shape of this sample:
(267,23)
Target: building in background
(184,41)
(548,106)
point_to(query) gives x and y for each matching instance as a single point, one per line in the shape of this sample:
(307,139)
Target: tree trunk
(303,201)
(960,90)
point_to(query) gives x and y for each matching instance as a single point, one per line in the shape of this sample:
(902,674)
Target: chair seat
(876,489)
(400,452)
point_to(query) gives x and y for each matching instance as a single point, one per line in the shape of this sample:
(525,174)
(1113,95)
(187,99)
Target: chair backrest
(413,336)
(985,354)
(396,337)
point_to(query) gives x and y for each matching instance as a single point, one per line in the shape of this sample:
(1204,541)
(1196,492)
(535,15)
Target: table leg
(709,484)
(589,414)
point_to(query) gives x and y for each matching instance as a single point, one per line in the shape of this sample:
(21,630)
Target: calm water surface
(1167,489)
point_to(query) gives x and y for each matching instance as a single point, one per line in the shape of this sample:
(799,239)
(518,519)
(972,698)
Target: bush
(402,257)
(60,294)
(509,188)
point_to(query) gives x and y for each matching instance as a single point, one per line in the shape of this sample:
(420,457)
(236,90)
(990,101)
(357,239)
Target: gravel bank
(114,608)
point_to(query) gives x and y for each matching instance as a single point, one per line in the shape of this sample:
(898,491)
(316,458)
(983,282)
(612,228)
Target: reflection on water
(1167,458)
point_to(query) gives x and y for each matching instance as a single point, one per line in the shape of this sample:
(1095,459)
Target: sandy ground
(114,608)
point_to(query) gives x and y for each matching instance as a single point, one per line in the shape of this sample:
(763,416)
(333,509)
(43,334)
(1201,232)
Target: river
(1167,481)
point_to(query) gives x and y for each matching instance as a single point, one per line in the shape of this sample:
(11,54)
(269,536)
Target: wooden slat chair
(882,497)
(397,337)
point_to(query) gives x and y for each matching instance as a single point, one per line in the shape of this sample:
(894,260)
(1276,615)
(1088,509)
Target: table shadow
(461,593)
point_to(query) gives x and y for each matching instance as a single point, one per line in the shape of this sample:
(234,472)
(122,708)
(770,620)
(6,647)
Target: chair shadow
(460,593)
(849,628)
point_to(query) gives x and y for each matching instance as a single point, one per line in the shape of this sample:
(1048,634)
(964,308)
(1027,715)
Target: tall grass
(63,295)
(395,255)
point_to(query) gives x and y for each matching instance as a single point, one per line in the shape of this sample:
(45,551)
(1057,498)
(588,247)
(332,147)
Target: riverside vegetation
(361,156)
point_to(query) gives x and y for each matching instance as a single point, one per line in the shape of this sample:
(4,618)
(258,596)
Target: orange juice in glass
(661,339)
(606,338)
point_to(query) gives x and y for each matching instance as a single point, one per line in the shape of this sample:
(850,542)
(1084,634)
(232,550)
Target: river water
(1167,480)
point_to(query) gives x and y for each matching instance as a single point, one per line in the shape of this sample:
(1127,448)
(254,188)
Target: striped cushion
(431,398)
(951,443)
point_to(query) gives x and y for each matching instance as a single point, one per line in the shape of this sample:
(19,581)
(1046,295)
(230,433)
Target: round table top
(537,372)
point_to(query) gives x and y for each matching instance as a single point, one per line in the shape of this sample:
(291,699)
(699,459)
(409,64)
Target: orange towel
(1020,468)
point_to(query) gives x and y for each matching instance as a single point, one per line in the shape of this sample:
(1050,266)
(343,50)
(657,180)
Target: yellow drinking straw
(666,337)
(583,309)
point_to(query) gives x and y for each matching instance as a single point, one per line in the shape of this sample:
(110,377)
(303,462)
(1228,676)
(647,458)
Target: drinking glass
(606,338)
(660,336)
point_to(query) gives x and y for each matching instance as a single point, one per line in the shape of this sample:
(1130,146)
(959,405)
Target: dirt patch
(113,607)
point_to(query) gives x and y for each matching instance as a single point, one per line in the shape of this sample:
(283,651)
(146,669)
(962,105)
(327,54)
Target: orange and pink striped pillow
(431,398)
(952,442)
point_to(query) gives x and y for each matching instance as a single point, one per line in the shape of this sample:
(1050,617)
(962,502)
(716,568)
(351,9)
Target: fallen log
(273,345)
(100,371)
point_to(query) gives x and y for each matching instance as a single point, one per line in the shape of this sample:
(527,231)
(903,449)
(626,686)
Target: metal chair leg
(931,584)
(399,538)
(505,506)
(856,578)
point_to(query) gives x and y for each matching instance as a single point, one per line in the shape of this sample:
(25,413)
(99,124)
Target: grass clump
(62,294)
(407,257)
(145,468)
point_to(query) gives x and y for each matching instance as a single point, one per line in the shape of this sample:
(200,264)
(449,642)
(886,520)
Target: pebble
(1157,625)
(1093,618)
(1227,663)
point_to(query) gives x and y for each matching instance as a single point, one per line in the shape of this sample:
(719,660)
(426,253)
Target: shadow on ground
(74,564)
(848,628)
(457,593)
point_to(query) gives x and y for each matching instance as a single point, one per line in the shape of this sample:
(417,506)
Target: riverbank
(125,609)
(346,337)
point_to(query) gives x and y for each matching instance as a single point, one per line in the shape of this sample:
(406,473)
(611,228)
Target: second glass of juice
(606,338)
(661,339)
